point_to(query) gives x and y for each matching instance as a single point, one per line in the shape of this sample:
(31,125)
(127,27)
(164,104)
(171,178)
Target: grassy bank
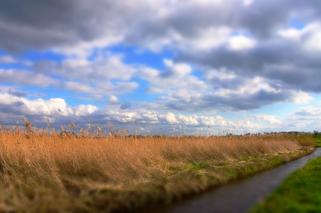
(300,192)
(51,172)
(317,139)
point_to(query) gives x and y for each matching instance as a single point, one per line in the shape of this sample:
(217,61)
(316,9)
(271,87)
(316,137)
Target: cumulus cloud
(239,43)
(227,55)
(50,107)
(98,77)
(25,77)
(170,24)
(58,112)
(301,97)
(219,89)
(269,119)
(167,22)
(148,120)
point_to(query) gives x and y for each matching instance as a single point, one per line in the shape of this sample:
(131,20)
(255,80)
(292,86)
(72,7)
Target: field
(48,171)
(300,192)
(317,138)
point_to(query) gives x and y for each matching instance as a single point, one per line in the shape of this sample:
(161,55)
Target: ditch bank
(241,195)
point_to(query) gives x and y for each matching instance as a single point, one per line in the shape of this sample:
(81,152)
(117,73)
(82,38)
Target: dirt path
(239,196)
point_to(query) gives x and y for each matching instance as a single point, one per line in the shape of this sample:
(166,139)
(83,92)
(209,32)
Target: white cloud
(309,35)
(53,106)
(6,98)
(170,118)
(291,33)
(104,67)
(208,39)
(314,41)
(26,77)
(248,2)
(7,59)
(214,121)
(78,87)
(222,74)
(99,76)
(250,86)
(268,118)
(123,116)
(57,110)
(205,2)
(113,99)
(226,54)
(177,82)
(44,107)
(240,43)
(188,120)
(83,110)
(83,49)
(179,69)
(301,97)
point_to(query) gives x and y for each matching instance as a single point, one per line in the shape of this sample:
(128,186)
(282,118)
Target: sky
(162,66)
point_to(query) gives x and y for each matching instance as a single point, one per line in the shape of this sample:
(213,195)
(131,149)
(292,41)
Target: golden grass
(49,172)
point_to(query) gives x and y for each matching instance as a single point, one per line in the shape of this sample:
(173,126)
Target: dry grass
(50,172)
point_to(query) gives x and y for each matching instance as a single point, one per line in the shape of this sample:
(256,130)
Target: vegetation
(49,171)
(300,192)
(317,138)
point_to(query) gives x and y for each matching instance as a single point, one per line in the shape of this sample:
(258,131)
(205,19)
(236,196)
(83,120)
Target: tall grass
(51,171)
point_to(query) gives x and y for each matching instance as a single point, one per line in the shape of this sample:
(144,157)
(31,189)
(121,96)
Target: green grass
(300,192)
(317,139)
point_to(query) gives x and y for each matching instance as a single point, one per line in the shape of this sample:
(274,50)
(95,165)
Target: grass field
(300,192)
(317,139)
(46,171)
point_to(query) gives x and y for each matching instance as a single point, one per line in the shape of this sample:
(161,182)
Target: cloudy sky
(162,66)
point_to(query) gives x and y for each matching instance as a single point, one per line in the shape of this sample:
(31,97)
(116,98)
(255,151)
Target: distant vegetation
(49,171)
(300,192)
(317,137)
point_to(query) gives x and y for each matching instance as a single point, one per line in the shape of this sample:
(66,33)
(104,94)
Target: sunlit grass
(300,192)
(45,170)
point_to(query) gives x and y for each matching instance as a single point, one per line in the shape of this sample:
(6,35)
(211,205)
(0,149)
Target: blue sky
(196,67)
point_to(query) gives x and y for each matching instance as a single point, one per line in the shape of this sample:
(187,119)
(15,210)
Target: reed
(45,170)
